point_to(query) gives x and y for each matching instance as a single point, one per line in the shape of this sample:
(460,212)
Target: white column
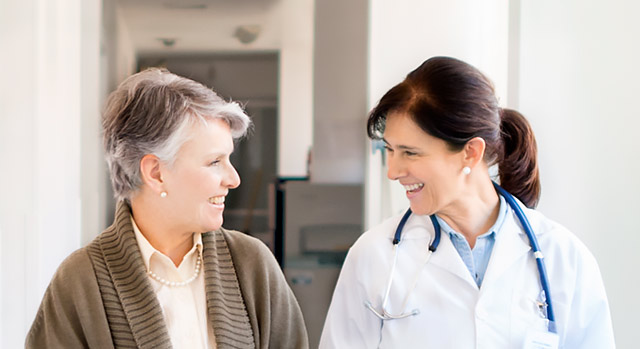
(16,152)
(41,120)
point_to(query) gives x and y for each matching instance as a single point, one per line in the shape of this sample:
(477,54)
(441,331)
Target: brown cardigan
(101,296)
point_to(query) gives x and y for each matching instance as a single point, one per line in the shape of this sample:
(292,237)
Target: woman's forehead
(401,131)
(212,136)
(401,127)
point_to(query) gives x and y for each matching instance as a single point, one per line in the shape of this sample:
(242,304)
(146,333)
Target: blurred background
(308,72)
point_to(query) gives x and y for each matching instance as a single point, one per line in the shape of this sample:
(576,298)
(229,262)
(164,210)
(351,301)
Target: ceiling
(187,26)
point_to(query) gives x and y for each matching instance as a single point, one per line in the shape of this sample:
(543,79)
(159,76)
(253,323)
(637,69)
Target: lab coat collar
(511,245)
(447,258)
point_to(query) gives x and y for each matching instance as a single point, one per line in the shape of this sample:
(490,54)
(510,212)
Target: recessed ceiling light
(167,42)
(247,33)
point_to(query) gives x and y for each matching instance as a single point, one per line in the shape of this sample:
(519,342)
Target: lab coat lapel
(511,245)
(447,258)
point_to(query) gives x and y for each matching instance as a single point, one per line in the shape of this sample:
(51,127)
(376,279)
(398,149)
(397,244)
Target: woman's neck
(160,234)
(474,213)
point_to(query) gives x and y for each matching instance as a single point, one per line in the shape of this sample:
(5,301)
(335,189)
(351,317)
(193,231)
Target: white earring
(163,194)
(466,170)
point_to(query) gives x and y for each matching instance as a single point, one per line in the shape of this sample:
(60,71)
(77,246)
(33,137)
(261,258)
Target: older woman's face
(201,177)
(423,164)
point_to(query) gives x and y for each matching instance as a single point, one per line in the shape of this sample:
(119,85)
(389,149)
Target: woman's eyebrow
(400,146)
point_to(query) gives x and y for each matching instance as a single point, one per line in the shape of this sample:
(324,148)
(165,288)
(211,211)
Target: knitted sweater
(101,297)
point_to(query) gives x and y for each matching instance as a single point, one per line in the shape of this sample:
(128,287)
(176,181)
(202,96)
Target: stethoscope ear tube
(436,227)
(403,221)
(436,239)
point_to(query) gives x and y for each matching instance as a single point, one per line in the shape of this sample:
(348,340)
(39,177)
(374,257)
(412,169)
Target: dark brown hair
(452,100)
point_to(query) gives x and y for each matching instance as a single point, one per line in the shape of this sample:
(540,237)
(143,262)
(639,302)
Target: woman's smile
(413,189)
(217,201)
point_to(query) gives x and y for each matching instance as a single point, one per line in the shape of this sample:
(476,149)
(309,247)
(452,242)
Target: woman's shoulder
(417,227)
(558,242)
(71,313)
(77,267)
(546,228)
(373,245)
(78,270)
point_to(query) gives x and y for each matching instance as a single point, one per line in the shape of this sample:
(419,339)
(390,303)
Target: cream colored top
(184,307)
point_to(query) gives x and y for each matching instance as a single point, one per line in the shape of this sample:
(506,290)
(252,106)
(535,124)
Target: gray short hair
(151,112)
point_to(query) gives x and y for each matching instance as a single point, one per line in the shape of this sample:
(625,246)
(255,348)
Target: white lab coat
(454,313)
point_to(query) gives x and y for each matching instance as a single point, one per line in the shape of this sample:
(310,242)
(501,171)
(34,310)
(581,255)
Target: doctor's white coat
(454,313)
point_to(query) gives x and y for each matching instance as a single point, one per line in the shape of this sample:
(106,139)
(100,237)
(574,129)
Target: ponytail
(518,163)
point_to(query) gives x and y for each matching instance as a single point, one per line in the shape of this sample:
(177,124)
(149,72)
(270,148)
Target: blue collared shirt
(477,259)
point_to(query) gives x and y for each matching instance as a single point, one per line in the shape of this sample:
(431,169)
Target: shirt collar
(147,250)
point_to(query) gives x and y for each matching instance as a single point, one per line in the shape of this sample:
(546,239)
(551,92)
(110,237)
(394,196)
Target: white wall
(339,91)
(578,87)
(295,93)
(404,33)
(40,140)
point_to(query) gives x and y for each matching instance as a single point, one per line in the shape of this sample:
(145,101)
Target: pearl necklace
(183,283)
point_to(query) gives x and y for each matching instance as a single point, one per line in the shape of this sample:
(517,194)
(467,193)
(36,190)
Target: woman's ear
(151,172)
(474,151)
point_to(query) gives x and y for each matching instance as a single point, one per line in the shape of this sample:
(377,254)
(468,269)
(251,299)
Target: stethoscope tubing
(542,270)
(436,226)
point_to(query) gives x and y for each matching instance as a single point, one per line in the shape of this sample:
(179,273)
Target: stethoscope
(544,303)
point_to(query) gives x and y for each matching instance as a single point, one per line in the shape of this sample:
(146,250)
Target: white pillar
(41,119)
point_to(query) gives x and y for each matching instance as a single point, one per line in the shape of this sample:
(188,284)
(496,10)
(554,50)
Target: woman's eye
(387,148)
(214,162)
(410,153)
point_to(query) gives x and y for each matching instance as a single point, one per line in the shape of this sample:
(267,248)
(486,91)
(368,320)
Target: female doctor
(471,264)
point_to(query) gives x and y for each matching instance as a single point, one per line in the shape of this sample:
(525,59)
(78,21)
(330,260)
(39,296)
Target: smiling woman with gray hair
(165,273)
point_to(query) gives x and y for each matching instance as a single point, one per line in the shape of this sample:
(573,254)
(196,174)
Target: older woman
(464,267)
(165,273)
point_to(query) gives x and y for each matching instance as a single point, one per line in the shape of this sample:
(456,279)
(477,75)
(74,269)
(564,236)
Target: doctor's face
(424,165)
(200,178)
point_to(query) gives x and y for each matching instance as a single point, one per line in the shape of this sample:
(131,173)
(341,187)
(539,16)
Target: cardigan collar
(226,310)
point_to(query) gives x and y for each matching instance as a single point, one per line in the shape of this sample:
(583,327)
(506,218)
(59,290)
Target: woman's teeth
(217,200)
(413,187)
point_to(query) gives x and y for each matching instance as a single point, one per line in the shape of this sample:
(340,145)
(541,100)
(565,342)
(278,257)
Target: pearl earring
(466,170)
(163,194)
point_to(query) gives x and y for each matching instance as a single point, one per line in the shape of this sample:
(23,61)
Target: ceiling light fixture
(167,42)
(247,34)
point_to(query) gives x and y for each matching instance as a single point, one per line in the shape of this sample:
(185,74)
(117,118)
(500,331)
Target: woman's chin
(212,225)
(420,210)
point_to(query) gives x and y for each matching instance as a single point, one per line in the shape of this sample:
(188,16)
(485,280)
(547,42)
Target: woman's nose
(232,178)
(395,169)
